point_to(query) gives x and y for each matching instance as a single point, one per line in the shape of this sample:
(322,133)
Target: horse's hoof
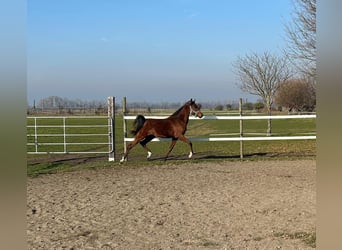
(190,155)
(149,155)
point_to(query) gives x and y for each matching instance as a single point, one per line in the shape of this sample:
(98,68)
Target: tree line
(57,104)
(62,105)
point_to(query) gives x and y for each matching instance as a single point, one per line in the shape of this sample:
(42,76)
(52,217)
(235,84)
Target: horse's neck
(183,114)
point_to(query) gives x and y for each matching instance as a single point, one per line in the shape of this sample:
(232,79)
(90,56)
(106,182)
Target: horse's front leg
(187,141)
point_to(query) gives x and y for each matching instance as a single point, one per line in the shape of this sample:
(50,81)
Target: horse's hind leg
(128,148)
(149,153)
(143,143)
(173,142)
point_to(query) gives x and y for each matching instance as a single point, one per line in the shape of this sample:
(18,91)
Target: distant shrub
(258,106)
(247,106)
(219,107)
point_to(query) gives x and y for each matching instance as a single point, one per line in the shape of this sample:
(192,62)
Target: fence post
(124,110)
(64,135)
(241,129)
(111,128)
(35,135)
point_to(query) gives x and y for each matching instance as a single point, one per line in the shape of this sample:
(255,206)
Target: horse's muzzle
(199,114)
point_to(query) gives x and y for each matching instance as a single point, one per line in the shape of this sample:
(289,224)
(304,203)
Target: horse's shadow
(203,156)
(212,156)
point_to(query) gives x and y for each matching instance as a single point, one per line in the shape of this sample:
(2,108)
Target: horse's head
(195,109)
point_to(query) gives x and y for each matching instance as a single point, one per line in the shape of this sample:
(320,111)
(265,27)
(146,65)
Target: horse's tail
(138,124)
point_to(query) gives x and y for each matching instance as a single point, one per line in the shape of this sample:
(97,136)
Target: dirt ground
(226,205)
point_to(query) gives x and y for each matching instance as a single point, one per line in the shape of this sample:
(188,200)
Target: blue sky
(157,50)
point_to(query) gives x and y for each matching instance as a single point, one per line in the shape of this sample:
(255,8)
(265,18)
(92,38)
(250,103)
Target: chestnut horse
(173,127)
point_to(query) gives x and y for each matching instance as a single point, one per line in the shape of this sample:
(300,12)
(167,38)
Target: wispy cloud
(190,14)
(104,39)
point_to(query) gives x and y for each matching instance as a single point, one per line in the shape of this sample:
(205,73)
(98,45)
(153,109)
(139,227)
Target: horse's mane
(179,110)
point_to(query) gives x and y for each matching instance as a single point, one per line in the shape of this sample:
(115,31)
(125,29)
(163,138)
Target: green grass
(206,151)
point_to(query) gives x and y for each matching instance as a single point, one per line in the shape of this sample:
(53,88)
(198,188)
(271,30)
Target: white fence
(73,134)
(62,134)
(241,134)
(241,138)
(69,134)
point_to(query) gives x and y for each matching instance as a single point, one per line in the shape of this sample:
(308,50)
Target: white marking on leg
(122,159)
(149,153)
(190,155)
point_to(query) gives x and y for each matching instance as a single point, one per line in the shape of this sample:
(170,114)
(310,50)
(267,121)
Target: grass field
(205,151)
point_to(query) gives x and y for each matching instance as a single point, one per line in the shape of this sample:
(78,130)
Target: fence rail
(52,134)
(216,117)
(240,136)
(266,138)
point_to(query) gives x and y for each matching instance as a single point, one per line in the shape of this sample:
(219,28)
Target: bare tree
(301,36)
(261,74)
